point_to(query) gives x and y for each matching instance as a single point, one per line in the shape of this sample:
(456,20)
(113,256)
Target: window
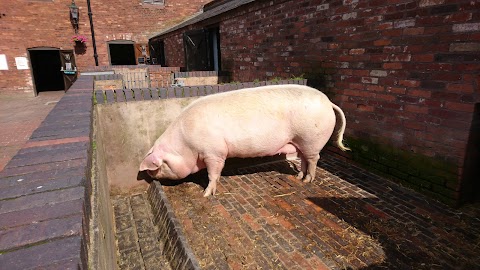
(156,2)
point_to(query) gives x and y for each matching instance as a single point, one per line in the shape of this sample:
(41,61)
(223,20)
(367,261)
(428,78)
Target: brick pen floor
(262,218)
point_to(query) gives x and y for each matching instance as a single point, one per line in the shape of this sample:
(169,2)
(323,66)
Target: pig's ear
(151,162)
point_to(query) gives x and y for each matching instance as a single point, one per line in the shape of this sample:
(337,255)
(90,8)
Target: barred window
(156,2)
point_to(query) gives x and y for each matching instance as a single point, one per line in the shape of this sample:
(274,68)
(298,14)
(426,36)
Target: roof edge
(214,9)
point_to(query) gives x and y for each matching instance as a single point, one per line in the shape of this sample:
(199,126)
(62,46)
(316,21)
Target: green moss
(299,77)
(425,174)
(275,79)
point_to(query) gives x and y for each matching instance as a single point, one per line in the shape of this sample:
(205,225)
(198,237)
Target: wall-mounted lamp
(74,14)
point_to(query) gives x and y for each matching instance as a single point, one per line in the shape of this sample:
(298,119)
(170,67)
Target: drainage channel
(147,234)
(137,238)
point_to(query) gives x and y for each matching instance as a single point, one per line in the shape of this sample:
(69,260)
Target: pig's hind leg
(214,169)
(308,167)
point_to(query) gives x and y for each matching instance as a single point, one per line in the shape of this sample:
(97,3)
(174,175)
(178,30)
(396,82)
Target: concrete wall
(108,84)
(102,250)
(126,131)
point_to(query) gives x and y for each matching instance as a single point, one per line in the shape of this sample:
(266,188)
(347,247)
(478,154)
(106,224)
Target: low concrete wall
(125,133)
(194,81)
(198,78)
(102,250)
(108,84)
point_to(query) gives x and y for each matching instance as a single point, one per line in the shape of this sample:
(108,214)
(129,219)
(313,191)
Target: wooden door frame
(68,79)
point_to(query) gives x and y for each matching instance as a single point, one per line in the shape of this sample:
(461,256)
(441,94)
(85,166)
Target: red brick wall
(42,23)
(174,50)
(26,24)
(161,76)
(405,72)
(131,20)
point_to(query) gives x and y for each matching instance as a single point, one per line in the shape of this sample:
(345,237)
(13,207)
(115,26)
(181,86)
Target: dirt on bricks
(263,218)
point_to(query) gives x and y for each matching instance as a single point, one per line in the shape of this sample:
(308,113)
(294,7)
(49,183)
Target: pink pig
(252,122)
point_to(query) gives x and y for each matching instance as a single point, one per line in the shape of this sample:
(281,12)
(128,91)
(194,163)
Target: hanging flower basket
(79,39)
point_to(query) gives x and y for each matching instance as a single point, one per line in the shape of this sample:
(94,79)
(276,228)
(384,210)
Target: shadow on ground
(415,232)
(233,166)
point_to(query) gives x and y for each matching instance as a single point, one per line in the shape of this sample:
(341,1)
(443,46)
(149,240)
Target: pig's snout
(152,174)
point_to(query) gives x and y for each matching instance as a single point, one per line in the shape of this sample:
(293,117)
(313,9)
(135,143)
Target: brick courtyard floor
(20,115)
(262,218)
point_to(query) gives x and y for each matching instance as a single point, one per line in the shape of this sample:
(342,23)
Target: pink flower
(79,38)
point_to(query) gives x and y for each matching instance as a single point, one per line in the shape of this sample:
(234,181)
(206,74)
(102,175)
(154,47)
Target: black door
(197,50)
(122,54)
(202,49)
(157,52)
(46,70)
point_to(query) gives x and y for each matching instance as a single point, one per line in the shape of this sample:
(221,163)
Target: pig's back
(255,121)
(274,96)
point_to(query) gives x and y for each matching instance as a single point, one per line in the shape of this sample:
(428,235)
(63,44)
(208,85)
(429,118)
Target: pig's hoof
(299,176)
(307,179)
(209,191)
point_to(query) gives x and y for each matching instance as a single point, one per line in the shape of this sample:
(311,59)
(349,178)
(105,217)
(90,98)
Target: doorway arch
(121,52)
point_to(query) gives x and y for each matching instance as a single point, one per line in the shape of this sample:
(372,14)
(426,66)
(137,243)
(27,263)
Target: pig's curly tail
(342,129)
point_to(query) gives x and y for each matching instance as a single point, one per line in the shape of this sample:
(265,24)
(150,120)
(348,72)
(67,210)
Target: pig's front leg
(303,167)
(214,169)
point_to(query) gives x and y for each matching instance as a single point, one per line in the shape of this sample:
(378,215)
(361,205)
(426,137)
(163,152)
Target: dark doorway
(46,69)
(202,49)
(157,52)
(471,171)
(122,54)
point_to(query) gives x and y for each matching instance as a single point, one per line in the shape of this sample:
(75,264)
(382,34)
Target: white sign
(3,62)
(21,62)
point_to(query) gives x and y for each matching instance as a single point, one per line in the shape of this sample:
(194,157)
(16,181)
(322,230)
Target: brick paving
(44,184)
(20,115)
(263,218)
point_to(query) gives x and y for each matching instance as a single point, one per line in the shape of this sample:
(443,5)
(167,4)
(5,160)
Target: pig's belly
(259,135)
(259,147)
